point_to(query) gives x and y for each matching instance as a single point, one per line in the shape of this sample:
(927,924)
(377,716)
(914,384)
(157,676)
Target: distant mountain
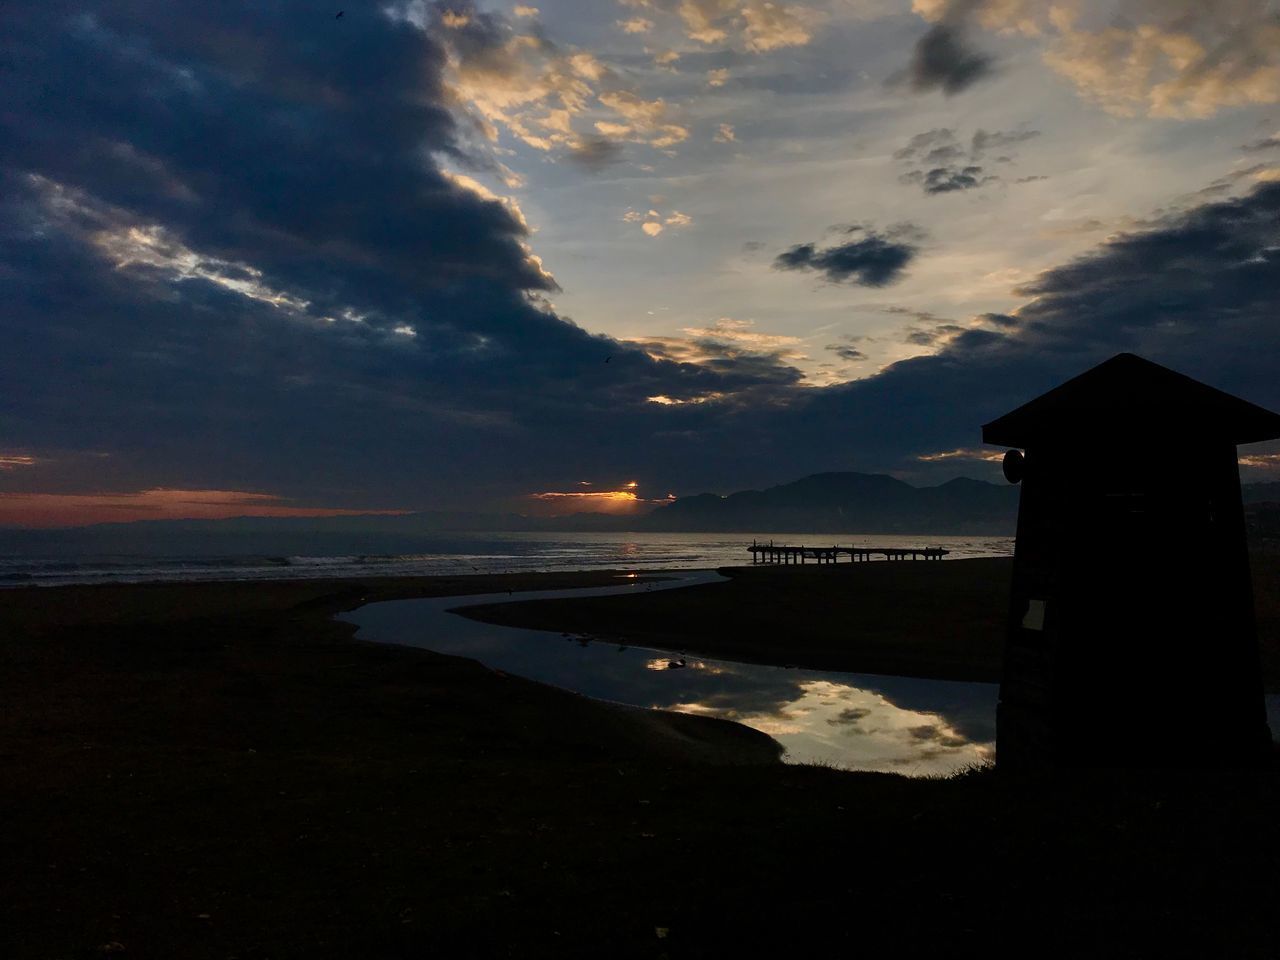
(861,503)
(846,503)
(823,503)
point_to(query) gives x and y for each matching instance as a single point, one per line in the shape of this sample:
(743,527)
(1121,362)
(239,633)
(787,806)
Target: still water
(853,721)
(60,557)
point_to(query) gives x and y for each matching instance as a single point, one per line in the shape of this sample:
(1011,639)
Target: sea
(447,554)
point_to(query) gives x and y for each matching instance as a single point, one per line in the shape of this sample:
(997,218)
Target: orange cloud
(78,509)
(1267,461)
(1162,59)
(990,456)
(623,500)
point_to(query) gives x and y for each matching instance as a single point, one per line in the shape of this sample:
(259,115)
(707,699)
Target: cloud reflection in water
(849,726)
(853,721)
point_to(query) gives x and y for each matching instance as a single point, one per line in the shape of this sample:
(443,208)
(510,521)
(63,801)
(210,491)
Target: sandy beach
(219,770)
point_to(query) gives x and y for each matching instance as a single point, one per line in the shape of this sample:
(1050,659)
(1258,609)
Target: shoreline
(445,555)
(218,770)
(696,620)
(941,621)
(933,621)
(971,651)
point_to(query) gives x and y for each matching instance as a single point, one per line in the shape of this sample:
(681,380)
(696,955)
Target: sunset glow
(804,236)
(621,496)
(987,456)
(399,400)
(1265,461)
(70,510)
(623,500)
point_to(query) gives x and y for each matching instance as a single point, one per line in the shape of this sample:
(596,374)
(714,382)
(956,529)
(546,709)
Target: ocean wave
(485,553)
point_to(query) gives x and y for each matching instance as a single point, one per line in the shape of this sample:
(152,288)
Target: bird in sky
(340,13)
(608,358)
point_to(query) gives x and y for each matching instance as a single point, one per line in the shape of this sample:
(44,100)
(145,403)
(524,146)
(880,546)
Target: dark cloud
(849,716)
(939,163)
(1267,143)
(731,692)
(1220,187)
(874,260)
(999,319)
(1198,291)
(1206,272)
(969,709)
(950,179)
(924,145)
(930,330)
(234,258)
(764,368)
(232,235)
(926,337)
(846,351)
(761,365)
(943,60)
(596,153)
(984,140)
(921,316)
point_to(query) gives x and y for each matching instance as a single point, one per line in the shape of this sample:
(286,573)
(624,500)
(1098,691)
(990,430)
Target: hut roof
(1126,394)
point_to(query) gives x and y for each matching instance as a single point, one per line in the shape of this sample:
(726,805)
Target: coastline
(935,621)
(218,770)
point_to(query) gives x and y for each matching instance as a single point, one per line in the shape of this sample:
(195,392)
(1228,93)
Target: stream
(848,720)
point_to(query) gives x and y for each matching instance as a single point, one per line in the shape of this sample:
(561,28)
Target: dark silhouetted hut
(1131,638)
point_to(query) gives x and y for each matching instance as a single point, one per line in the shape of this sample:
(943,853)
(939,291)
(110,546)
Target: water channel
(853,721)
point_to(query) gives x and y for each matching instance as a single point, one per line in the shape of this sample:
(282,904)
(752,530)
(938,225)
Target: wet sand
(219,770)
(941,621)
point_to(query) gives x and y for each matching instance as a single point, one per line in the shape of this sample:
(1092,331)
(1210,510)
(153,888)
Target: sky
(585,254)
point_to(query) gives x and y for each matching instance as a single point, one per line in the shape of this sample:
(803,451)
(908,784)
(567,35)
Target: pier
(784,553)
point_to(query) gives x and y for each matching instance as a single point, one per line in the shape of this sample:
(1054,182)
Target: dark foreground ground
(220,771)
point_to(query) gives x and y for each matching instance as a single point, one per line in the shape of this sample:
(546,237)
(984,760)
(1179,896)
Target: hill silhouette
(847,502)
